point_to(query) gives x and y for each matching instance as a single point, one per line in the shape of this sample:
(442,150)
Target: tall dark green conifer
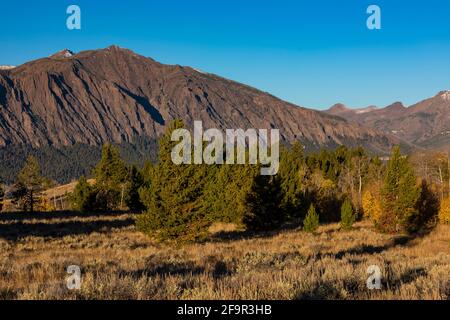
(111,171)
(399,194)
(111,175)
(262,203)
(348,215)
(135,182)
(82,198)
(174,197)
(225,192)
(292,175)
(30,183)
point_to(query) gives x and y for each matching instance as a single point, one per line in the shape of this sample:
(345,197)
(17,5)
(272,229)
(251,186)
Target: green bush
(83,196)
(311,222)
(348,216)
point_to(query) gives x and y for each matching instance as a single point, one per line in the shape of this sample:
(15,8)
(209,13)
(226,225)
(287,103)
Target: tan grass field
(117,262)
(63,190)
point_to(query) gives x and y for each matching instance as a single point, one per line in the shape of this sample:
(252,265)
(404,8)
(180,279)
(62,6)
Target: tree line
(181,202)
(65,163)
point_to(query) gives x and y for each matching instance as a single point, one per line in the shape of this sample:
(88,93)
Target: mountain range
(425,125)
(115,95)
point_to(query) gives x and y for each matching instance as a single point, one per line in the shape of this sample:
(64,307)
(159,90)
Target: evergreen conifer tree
(262,203)
(30,183)
(174,197)
(226,190)
(110,179)
(399,195)
(82,198)
(311,222)
(136,181)
(348,216)
(292,179)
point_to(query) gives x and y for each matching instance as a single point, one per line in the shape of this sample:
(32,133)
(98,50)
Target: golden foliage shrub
(44,205)
(444,211)
(371,206)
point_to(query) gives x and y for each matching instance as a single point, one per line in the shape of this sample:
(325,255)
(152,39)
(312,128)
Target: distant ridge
(425,124)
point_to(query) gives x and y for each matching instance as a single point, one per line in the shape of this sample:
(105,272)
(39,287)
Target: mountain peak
(445,94)
(396,106)
(338,107)
(115,47)
(66,53)
(116,50)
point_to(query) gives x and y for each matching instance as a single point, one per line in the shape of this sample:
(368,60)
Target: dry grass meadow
(118,262)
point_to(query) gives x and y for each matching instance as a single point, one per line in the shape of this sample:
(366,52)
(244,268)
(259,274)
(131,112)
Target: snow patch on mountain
(446,95)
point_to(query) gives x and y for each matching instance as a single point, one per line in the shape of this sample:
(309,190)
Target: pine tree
(399,195)
(348,216)
(145,192)
(83,197)
(136,181)
(427,210)
(311,222)
(262,204)
(29,185)
(292,174)
(224,197)
(111,171)
(110,179)
(174,198)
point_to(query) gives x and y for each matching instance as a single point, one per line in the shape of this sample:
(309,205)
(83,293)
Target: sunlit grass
(118,262)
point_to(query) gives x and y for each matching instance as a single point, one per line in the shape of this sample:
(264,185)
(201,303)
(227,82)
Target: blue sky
(312,53)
